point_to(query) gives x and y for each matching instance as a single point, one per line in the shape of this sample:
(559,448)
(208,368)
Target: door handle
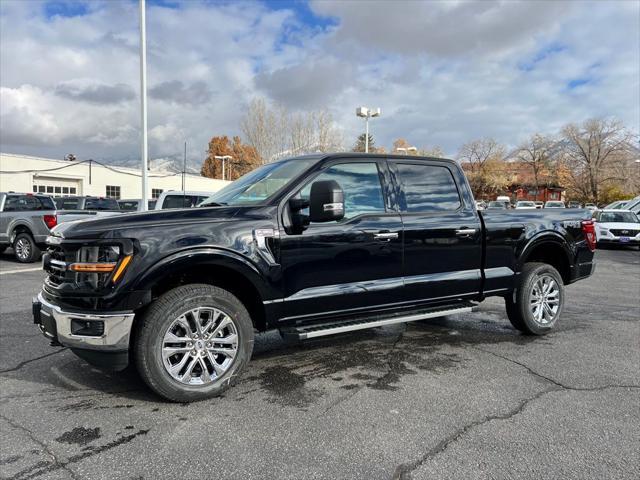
(385,236)
(465,232)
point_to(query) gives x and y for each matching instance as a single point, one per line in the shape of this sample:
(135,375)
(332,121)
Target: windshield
(497,204)
(260,184)
(526,204)
(554,204)
(618,217)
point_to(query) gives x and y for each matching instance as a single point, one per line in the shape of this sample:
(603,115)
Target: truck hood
(111,226)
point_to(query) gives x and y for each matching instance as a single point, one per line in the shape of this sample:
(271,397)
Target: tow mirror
(326,201)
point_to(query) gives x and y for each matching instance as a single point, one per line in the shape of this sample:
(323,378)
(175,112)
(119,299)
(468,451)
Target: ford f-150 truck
(311,246)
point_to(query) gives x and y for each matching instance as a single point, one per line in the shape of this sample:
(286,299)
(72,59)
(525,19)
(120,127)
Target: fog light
(87,328)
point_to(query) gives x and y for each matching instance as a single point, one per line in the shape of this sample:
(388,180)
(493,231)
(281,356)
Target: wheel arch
(217,267)
(550,248)
(19,227)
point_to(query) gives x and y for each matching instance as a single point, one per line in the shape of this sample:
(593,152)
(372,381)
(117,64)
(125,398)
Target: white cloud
(442,72)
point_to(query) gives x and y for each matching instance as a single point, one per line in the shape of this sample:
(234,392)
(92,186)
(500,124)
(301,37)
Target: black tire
(159,317)
(518,305)
(25,249)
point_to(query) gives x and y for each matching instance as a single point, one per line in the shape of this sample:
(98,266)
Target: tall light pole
(223,159)
(367,113)
(143,103)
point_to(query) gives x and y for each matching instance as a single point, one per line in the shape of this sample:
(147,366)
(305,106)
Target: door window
(427,188)
(361,185)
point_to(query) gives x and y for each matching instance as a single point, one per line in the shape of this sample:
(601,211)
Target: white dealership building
(21,173)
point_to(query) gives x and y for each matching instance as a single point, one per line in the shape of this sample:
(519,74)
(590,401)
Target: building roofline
(98,165)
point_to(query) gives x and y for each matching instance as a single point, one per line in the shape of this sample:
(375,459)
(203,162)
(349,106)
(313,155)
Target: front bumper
(59,326)
(616,241)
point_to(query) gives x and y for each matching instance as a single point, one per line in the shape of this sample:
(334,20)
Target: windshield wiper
(213,204)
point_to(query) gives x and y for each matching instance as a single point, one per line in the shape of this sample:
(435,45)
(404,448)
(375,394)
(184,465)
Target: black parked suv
(311,246)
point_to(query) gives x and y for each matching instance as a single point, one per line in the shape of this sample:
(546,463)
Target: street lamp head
(362,112)
(375,113)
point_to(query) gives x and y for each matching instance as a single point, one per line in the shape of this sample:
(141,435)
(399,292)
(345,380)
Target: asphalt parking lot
(462,397)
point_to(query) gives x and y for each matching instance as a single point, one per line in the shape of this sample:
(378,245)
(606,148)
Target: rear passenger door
(442,233)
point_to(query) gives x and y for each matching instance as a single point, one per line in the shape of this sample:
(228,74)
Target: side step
(303,332)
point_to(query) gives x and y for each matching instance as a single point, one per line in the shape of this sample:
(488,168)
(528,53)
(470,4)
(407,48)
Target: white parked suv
(554,204)
(617,226)
(525,205)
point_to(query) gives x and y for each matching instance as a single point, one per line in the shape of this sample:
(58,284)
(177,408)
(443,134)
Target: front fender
(209,257)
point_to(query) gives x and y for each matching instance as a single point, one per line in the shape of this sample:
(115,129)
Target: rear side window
(101,204)
(25,203)
(64,203)
(427,188)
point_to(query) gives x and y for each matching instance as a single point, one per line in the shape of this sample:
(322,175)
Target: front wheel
(538,300)
(193,342)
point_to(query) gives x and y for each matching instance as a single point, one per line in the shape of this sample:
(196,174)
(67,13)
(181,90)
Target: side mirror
(326,201)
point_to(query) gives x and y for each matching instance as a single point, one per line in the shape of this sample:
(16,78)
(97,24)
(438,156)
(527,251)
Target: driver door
(351,264)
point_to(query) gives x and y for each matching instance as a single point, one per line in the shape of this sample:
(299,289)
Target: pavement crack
(56,463)
(403,472)
(394,364)
(31,360)
(551,380)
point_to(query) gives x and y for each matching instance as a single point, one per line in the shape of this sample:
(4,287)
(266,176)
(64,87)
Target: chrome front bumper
(56,325)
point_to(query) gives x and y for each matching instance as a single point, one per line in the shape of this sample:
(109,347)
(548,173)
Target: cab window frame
(400,187)
(381,167)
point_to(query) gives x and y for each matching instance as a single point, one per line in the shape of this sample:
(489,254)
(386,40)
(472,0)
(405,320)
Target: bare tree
(593,152)
(536,154)
(276,133)
(478,152)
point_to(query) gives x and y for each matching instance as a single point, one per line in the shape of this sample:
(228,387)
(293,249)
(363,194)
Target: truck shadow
(297,375)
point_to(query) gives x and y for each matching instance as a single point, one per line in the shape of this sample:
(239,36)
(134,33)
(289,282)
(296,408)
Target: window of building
(427,188)
(156,192)
(113,191)
(72,190)
(49,188)
(361,185)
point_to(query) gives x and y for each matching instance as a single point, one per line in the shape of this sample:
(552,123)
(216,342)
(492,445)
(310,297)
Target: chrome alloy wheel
(22,248)
(545,299)
(200,346)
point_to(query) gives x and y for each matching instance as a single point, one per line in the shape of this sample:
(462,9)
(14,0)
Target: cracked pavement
(460,397)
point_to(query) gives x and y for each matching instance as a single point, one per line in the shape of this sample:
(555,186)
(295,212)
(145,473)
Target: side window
(361,185)
(11,203)
(427,188)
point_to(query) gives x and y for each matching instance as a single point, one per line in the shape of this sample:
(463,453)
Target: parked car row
(26,219)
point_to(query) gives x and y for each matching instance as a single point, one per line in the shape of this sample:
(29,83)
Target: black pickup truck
(311,246)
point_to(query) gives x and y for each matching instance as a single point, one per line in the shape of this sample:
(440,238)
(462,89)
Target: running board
(304,332)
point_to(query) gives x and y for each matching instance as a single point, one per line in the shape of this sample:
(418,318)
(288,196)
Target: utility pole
(143,104)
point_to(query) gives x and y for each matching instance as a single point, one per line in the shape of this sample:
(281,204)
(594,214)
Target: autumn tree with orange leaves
(244,158)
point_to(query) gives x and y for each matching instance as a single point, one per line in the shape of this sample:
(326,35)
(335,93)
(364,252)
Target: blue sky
(443,73)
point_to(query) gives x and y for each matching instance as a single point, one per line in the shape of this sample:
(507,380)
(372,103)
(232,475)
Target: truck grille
(624,232)
(56,266)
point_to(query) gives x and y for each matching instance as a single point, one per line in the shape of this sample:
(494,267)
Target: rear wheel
(193,342)
(25,248)
(538,300)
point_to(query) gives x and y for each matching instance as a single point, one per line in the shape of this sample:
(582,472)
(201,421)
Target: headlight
(604,232)
(96,265)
